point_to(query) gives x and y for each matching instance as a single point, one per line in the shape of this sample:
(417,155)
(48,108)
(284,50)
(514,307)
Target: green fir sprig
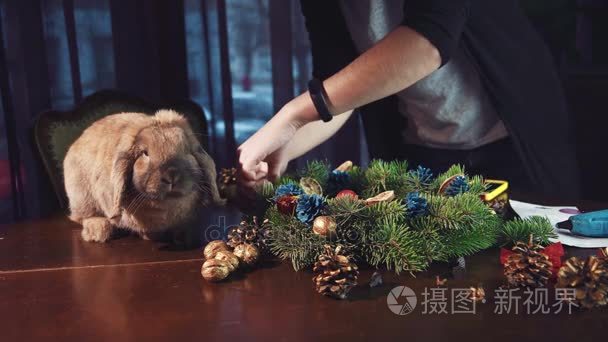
(520,230)
(319,170)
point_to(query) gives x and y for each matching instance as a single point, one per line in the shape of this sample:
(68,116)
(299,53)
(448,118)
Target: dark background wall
(240,60)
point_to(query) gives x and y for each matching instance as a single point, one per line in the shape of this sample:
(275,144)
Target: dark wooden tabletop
(54,286)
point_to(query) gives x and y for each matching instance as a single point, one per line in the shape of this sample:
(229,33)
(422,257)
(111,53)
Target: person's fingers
(247,181)
(259,172)
(262,171)
(248,168)
(275,171)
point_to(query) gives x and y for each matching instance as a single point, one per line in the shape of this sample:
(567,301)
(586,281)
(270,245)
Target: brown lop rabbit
(140,172)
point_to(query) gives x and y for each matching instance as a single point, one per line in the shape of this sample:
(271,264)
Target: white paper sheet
(555,215)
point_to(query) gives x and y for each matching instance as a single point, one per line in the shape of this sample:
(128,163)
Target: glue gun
(591,224)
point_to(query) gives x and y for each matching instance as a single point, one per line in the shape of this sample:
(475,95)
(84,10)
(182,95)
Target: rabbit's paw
(97,229)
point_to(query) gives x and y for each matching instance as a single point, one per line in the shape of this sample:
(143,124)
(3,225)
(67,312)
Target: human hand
(264,155)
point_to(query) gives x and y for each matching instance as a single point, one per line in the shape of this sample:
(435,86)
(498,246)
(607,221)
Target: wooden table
(54,286)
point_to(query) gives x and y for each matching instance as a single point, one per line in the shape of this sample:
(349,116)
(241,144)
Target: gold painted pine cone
(227,186)
(227,176)
(335,274)
(527,266)
(588,277)
(251,233)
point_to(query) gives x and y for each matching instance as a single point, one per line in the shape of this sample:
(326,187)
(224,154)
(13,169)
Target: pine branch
(265,190)
(477,186)
(464,224)
(383,176)
(345,206)
(319,170)
(357,179)
(419,180)
(293,240)
(454,213)
(286,180)
(479,236)
(393,211)
(520,230)
(395,246)
(352,222)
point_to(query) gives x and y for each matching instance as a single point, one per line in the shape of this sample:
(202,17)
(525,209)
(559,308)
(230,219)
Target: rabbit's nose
(171,176)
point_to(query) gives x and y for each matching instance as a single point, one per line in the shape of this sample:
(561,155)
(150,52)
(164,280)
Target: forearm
(393,64)
(399,60)
(314,134)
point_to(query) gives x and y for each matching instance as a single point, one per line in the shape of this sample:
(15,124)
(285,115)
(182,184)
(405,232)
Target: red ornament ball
(347,193)
(287,204)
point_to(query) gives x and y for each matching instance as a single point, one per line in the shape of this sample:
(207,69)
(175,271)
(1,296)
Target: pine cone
(416,205)
(423,175)
(226,183)
(335,274)
(250,232)
(455,185)
(527,266)
(227,176)
(589,278)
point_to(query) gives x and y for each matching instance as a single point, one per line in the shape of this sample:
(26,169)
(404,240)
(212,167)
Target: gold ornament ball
(215,270)
(213,247)
(324,226)
(228,257)
(247,254)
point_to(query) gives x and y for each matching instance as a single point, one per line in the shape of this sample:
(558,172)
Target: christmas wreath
(384,215)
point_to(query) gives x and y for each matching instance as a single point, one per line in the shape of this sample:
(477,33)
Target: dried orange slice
(381,197)
(344,167)
(311,186)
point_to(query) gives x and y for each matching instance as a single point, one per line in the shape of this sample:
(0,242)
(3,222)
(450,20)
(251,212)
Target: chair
(55,131)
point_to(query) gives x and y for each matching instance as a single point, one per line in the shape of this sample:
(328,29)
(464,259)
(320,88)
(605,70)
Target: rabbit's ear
(121,167)
(207,166)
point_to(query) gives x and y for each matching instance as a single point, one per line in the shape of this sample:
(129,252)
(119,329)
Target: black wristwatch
(319,99)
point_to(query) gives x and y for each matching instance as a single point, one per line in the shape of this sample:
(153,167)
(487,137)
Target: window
(94,48)
(250,64)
